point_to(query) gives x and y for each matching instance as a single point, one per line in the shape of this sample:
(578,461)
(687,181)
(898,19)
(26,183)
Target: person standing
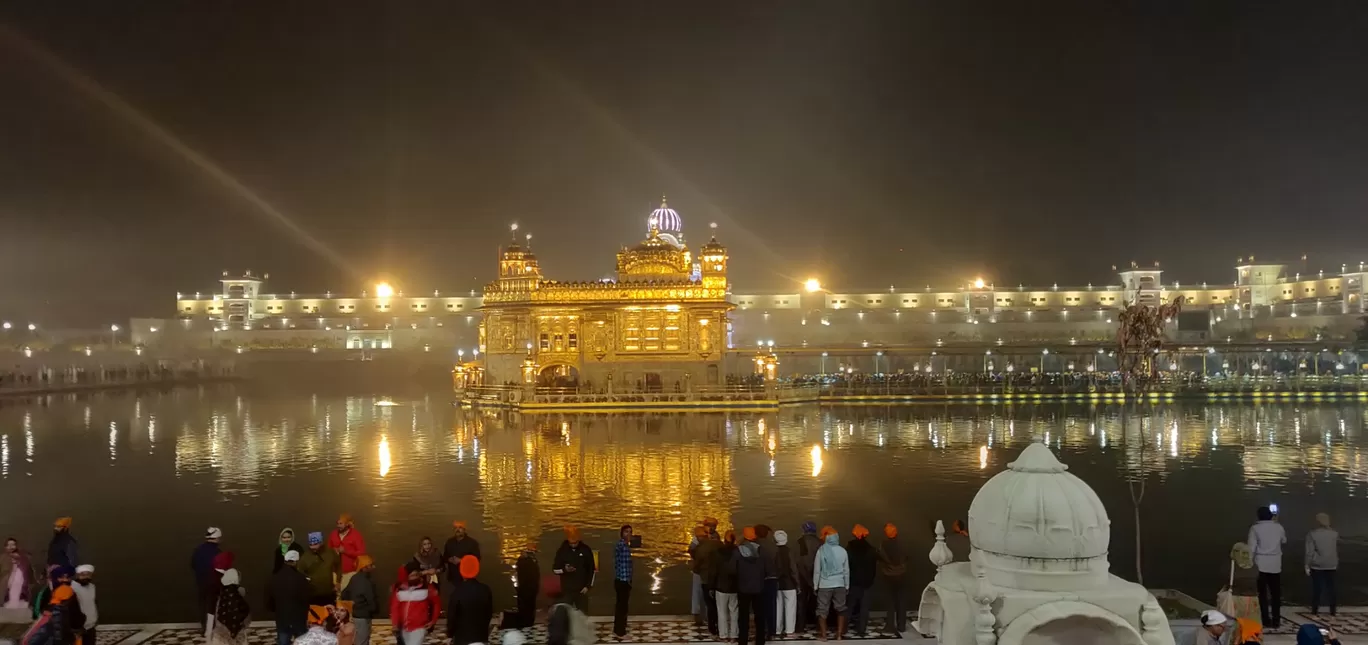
(764,539)
(206,578)
(622,578)
(84,588)
(18,576)
(808,543)
(864,563)
(360,591)
(414,605)
(575,565)
(430,560)
(1266,539)
(348,544)
(62,550)
(319,565)
(528,582)
(723,583)
(458,546)
(893,566)
(472,606)
(1322,559)
(750,570)
(287,596)
(285,543)
(704,556)
(786,575)
(232,613)
(831,579)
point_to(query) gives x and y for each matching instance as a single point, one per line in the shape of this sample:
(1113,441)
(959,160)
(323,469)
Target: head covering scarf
(780,537)
(285,546)
(458,524)
(315,537)
(232,611)
(60,572)
(345,519)
(470,567)
(1323,519)
(831,561)
(890,531)
(860,532)
(363,561)
(1243,557)
(60,595)
(810,527)
(572,533)
(1309,634)
(748,533)
(62,523)
(223,561)
(826,530)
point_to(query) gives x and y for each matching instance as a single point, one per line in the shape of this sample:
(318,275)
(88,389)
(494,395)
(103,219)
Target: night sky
(868,143)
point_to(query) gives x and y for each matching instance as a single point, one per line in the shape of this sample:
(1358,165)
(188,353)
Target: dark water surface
(144,474)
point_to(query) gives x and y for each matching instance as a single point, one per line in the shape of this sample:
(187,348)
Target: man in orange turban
(471,607)
(458,546)
(893,566)
(62,550)
(748,533)
(864,562)
(576,565)
(348,544)
(360,594)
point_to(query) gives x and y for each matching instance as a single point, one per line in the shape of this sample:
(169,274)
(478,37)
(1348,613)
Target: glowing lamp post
(113,334)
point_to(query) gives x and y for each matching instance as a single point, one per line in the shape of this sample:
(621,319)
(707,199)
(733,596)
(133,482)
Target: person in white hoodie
(84,586)
(831,579)
(1266,539)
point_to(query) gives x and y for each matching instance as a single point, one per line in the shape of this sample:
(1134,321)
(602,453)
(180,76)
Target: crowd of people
(790,588)
(1251,601)
(758,583)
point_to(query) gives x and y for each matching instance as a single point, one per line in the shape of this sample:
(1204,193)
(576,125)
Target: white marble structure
(1037,572)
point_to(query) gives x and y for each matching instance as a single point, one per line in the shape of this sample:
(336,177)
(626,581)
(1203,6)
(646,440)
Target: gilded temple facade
(661,324)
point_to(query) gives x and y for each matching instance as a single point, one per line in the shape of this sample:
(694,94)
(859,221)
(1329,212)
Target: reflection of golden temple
(538,479)
(660,324)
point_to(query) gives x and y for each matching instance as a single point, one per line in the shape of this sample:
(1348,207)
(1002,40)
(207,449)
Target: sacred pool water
(144,474)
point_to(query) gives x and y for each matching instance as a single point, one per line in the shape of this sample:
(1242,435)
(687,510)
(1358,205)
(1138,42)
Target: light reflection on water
(173,463)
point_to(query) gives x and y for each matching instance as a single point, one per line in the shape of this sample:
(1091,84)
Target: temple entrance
(653,383)
(558,376)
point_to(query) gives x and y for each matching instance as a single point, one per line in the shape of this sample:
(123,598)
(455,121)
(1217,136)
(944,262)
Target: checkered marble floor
(1348,621)
(662,630)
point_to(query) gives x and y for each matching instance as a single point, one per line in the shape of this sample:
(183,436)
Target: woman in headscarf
(231,612)
(17,576)
(1240,598)
(430,560)
(284,544)
(54,625)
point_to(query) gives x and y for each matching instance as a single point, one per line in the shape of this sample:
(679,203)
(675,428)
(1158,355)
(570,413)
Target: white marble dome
(1035,525)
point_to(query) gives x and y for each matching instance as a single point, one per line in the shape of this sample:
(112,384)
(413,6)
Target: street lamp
(113,334)
(6,325)
(33,327)
(877,356)
(824,357)
(813,285)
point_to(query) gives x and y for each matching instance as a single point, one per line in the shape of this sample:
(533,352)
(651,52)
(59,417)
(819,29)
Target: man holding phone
(622,576)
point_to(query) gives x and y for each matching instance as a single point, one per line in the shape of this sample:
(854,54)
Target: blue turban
(315,538)
(810,527)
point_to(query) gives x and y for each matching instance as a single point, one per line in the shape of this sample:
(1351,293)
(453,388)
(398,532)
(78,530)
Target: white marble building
(1037,572)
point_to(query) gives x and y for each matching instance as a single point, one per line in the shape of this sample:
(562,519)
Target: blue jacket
(202,560)
(832,567)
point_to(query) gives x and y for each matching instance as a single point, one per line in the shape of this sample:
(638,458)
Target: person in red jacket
(348,544)
(414,605)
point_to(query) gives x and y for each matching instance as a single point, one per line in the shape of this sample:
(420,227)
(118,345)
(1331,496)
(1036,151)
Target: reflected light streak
(983,457)
(816,460)
(384,456)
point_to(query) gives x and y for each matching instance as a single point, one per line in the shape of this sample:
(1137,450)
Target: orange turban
(470,567)
(572,533)
(860,532)
(363,561)
(748,533)
(62,523)
(61,594)
(890,530)
(710,522)
(345,518)
(458,524)
(318,614)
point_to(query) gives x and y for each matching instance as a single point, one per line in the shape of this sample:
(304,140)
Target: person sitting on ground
(1211,629)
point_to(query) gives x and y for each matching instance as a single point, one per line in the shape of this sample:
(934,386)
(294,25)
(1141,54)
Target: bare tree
(1139,340)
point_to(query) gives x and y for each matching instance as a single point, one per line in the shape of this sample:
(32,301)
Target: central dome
(1035,518)
(666,223)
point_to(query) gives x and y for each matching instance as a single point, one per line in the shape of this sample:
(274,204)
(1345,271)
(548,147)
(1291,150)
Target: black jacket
(280,557)
(529,576)
(864,561)
(750,569)
(786,568)
(288,596)
(582,558)
(361,591)
(458,549)
(469,612)
(723,574)
(807,557)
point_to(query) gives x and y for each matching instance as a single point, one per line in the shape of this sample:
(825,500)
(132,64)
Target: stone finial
(941,554)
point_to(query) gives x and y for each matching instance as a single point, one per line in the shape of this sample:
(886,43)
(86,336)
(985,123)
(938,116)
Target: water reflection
(252,464)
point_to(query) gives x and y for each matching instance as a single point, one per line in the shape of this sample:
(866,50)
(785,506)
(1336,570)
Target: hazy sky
(869,143)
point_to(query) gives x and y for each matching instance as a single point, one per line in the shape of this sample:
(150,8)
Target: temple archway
(561,375)
(1069,623)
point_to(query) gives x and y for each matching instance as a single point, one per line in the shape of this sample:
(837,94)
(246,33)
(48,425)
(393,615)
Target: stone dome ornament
(1037,569)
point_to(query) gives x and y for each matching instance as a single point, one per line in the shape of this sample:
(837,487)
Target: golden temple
(660,325)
